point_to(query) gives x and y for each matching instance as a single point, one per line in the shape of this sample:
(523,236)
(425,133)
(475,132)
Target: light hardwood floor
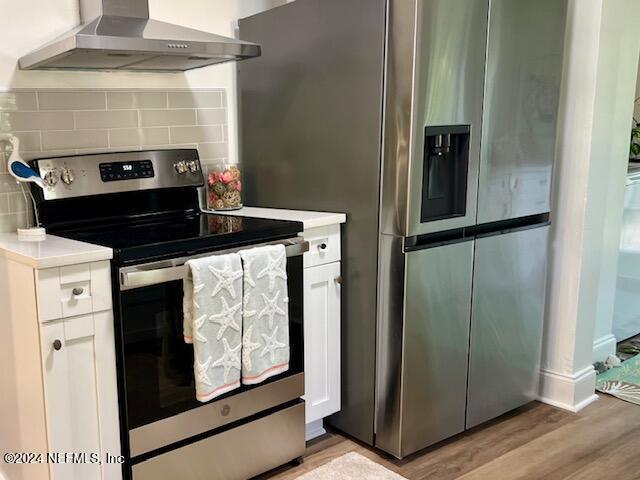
(534,442)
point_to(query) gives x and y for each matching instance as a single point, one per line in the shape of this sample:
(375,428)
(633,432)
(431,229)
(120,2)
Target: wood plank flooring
(534,442)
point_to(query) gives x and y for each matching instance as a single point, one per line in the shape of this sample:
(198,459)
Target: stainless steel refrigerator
(432,124)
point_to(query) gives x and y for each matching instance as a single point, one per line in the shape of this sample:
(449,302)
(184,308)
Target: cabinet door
(322,340)
(506,323)
(71,403)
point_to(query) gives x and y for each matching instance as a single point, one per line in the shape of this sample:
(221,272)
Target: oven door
(156,365)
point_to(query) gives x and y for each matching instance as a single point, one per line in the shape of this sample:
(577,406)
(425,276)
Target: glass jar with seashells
(224,186)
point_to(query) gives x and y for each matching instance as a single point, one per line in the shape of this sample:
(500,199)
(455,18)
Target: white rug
(351,466)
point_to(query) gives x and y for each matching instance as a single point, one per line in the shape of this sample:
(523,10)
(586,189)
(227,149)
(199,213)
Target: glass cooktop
(139,241)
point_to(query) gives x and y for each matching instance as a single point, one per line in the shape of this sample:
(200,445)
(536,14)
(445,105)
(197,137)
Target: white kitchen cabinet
(71,398)
(322,292)
(62,318)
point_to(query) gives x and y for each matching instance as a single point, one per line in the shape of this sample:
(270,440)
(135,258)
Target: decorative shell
(235,172)
(232,198)
(220,189)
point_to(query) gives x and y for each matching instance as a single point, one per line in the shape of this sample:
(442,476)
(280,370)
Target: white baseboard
(314,429)
(603,347)
(569,392)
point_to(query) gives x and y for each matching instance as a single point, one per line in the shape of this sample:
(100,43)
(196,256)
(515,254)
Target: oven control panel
(117,172)
(114,171)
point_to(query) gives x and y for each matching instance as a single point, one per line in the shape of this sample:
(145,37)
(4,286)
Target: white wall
(601,59)
(636,112)
(617,78)
(27,24)
(567,377)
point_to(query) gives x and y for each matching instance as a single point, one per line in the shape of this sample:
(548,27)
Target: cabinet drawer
(324,245)
(75,298)
(73,290)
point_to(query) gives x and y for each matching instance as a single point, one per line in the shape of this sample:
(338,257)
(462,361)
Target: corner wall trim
(603,347)
(571,392)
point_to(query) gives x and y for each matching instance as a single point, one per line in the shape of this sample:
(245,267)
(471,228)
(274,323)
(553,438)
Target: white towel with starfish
(212,308)
(265,319)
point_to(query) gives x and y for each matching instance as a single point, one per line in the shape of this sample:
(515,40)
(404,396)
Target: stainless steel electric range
(144,205)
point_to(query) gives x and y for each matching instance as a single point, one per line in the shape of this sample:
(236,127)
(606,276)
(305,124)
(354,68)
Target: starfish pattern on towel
(271,345)
(226,318)
(226,277)
(247,347)
(273,270)
(246,312)
(197,289)
(229,359)
(271,308)
(248,276)
(197,325)
(201,371)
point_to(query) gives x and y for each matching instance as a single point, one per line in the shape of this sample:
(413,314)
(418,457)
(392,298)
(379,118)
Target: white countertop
(308,219)
(51,252)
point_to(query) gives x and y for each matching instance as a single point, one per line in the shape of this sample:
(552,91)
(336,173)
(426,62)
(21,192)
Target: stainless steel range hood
(119,35)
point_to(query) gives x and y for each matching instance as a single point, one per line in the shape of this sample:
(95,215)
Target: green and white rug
(623,381)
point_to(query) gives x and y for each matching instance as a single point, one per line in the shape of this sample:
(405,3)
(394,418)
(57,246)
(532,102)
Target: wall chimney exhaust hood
(119,35)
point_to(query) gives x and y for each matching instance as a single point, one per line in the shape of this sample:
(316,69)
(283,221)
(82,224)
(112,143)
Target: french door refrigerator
(431,123)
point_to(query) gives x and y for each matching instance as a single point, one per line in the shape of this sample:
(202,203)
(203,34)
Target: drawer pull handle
(322,246)
(338,279)
(57,345)
(77,291)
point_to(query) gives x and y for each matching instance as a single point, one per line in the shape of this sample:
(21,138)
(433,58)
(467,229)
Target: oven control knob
(193,166)
(51,178)
(181,167)
(67,176)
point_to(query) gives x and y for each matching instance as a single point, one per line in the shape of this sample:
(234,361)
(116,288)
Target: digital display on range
(114,171)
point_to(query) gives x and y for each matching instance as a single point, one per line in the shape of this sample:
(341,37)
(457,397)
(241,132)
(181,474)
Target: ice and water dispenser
(446,166)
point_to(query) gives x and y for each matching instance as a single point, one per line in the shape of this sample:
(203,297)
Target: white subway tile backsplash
(210,151)
(29,141)
(17,202)
(196,99)
(71,100)
(89,119)
(4,203)
(71,122)
(12,101)
(161,118)
(127,137)
(64,139)
(15,121)
(11,221)
(8,184)
(50,153)
(129,100)
(209,133)
(212,116)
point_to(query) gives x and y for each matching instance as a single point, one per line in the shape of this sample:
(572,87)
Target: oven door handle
(171,270)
